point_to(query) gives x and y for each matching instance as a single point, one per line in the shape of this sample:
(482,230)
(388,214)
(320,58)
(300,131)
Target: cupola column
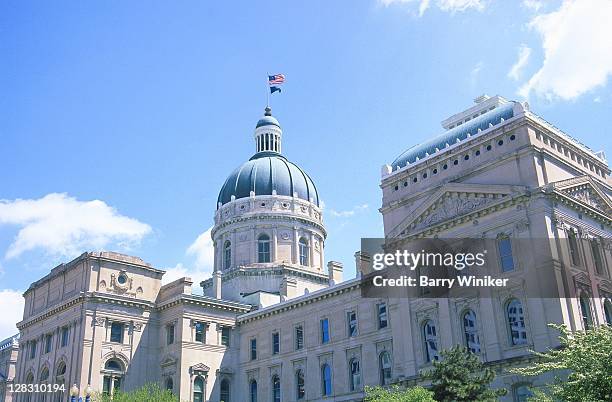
(268,133)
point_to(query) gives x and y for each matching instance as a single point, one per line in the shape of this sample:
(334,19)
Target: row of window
(455,162)
(324,331)
(326,379)
(594,246)
(47,347)
(200,329)
(263,251)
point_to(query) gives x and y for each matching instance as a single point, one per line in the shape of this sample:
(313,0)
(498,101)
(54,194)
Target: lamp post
(74,392)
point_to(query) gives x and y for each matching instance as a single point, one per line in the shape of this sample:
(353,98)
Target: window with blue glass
(324,330)
(504,246)
(326,380)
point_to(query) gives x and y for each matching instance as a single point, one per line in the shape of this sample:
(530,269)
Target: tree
(396,394)
(587,355)
(460,376)
(148,393)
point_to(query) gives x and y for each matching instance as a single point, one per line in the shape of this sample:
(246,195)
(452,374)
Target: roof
(454,135)
(265,173)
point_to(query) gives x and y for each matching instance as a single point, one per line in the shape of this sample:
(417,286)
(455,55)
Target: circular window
(405,184)
(455,162)
(424,175)
(466,157)
(445,166)
(122,279)
(500,142)
(263,204)
(512,137)
(477,152)
(488,147)
(435,171)
(414,180)
(396,188)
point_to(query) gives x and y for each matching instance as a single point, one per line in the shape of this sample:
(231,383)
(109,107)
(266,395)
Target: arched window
(263,248)
(60,372)
(169,384)
(431,341)
(384,366)
(516,322)
(198,389)
(113,376)
(472,340)
(304,251)
(225,390)
(253,391)
(326,380)
(608,311)
(300,389)
(29,380)
(355,374)
(227,254)
(276,389)
(585,309)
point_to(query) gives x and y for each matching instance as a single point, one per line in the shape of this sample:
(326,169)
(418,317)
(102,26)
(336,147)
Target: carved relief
(451,206)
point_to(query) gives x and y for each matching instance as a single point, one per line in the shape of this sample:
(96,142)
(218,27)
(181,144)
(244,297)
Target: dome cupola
(268,172)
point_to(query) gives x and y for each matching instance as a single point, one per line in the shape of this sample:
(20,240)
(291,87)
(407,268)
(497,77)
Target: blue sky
(119,121)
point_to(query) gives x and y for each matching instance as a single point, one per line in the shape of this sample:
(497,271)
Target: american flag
(276,79)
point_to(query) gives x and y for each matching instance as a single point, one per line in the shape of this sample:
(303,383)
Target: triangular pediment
(200,367)
(451,201)
(585,190)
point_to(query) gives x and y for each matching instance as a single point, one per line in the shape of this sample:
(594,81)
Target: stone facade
(279,323)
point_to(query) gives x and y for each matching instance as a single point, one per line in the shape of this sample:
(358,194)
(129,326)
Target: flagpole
(267,91)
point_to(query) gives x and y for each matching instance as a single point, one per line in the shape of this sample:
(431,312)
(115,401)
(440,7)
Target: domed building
(269,235)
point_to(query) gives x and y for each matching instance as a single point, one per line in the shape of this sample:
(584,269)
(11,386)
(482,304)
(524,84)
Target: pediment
(200,367)
(584,190)
(451,201)
(169,360)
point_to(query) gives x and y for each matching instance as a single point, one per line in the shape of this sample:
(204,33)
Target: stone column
(296,249)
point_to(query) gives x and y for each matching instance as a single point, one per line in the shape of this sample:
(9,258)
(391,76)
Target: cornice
(268,216)
(300,301)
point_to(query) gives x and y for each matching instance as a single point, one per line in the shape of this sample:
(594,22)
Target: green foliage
(148,393)
(460,376)
(396,394)
(588,357)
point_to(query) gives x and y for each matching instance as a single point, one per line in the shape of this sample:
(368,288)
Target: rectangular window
(299,337)
(324,330)
(65,333)
(253,348)
(383,321)
(506,261)
(48,342)
(225,336)
(597,256)
(573,247)
(200,332)
(32,349)
(275,343)
(117,332)
(170,334)
(351,318)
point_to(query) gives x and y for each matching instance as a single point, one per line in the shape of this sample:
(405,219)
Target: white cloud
(523,57)
(533,5)
(11,305)
(476,71)
(576,40)
(451,6)
(202,249)
(348,213)
(64,226)
(597,99)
